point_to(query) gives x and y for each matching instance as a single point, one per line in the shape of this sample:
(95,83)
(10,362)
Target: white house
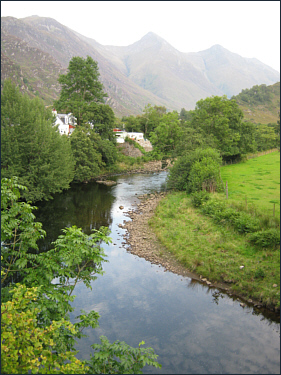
(120,135)
(66,122)
(135,136)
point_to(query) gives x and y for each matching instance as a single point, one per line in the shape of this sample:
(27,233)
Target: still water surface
(193,328)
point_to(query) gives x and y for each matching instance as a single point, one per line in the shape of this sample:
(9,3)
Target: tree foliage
(258,94)
(36,334)
(219,120)
(165,136)
(88,161)
(27,347)
(81,89)
(190,171)
(31,147)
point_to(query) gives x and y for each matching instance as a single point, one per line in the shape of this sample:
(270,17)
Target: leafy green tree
(36,334)
(247,142)
(219,119)
(179,176)
(31,147)
(27,347)
(185,115)
(265,137)
(205,175)
(103,120)
(106,148)
(151,118)
(189,139)
(81,89)
(120,358)
(166,135)
(132,123)
(88,161)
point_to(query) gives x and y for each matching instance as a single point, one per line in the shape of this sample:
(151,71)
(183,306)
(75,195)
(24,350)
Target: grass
(255,183)
(216,251)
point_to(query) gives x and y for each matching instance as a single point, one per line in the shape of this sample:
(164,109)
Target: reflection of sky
(178,318)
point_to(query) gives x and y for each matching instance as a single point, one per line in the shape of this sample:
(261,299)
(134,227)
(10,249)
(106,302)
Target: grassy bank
(255,183)
(216,250)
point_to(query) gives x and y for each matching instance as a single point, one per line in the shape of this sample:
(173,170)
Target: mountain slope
(63,44)
(231,73)
(260,104)
(36,49)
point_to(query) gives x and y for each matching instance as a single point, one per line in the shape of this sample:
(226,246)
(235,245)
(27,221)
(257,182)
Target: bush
(205,175)
(179,174)
(199,197)
(269,238)
(241,221)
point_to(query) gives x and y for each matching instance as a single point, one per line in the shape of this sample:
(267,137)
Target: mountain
(34,50)
(230,72)
(61,43)
(260,104)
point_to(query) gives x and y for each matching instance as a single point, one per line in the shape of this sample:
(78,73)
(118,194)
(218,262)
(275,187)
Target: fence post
(226,190)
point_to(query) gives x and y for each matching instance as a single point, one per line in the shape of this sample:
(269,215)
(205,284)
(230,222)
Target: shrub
(241,221)
(179,174)
(199,197)
(205,175)
(269,238)
(245,223)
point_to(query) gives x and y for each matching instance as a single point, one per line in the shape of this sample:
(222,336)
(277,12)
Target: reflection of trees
(86,206)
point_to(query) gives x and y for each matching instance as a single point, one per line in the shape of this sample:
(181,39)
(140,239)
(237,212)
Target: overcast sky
(249,28)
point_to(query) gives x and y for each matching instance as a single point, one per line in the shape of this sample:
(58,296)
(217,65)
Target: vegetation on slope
(260,104)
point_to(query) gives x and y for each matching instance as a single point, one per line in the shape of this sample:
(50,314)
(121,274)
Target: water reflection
(86,206)
(192,327)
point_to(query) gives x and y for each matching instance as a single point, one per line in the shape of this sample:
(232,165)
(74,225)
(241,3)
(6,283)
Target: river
(193,328)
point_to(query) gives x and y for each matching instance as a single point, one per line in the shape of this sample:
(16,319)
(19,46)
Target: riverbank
(142,239)
(154,166)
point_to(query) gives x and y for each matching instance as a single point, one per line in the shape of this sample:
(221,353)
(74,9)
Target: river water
(193,328)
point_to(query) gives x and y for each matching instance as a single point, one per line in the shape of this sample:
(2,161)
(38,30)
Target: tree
(265,137)
(81,89)
(220,119)
(88,161)
(32,149)
(151,118)
(205,175)
(36,334)
(247,142)
(103,120)
(132,124)
(166,135)
(179,177)
(27,347)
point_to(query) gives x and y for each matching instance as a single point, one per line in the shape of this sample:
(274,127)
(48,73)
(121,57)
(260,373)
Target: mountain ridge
(147,71)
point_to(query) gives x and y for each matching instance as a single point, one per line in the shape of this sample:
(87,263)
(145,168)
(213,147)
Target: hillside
(34,50)
(260,104)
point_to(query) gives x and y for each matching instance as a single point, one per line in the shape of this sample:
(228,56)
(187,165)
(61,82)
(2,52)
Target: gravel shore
(143,242)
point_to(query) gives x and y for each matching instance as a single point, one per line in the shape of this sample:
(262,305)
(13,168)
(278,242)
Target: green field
(256,182)
(216,250)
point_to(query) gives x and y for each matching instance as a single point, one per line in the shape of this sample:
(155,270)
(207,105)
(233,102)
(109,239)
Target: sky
(248,28)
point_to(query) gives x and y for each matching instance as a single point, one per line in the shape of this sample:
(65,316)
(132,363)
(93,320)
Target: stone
(242,304)
(274,285)
(241,267)
(121,207)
